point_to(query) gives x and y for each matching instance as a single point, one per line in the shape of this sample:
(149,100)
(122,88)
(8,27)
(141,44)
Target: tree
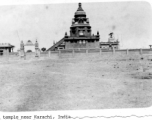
(43,49)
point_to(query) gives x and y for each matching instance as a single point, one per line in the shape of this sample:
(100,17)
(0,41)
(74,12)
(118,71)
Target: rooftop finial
(97,32)
(65,33)
(111,34)
(80,8)
(79,4)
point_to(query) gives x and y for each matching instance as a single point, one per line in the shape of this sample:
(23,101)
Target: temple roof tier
(83,25)
(86,38)
(6,45)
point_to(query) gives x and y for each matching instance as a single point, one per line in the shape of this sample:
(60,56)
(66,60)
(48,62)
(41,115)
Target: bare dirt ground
(78,83)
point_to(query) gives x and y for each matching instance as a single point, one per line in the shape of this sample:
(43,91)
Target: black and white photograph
(75,56)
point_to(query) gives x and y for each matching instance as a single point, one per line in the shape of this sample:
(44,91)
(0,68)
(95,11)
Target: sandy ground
(75,83)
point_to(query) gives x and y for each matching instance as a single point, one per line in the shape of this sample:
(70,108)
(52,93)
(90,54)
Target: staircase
(56,45)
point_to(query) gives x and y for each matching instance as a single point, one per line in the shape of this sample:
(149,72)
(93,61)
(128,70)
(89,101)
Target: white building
(29,46)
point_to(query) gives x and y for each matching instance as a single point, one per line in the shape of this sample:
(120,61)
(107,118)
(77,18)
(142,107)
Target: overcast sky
(131,22)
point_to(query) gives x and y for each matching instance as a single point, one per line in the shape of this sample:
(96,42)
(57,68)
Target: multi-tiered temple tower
(81,35)
(80,32)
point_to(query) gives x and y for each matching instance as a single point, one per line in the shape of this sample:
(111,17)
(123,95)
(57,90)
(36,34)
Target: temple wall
(4,51)
(69,45)
(107,46)
(87,54)
(92,45)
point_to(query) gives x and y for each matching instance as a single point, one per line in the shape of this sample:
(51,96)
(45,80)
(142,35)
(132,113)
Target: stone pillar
(86,51)
(59,52)
(100,51)
(49,53)
(73,52)
(127,52)
(140,51)
(113,50)
(37,51)
(22,52)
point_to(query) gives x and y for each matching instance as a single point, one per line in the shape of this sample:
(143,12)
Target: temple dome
(29,43)
(80,11)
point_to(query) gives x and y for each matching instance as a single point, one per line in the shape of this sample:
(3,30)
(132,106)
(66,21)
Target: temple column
(37,51)
(22,52)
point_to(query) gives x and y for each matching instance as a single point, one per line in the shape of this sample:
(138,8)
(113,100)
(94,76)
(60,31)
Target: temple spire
(97,32)
(66,35)
(80,8)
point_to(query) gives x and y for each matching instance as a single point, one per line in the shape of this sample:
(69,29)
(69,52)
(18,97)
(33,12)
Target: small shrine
(111,44)
(6,48)
(29,47)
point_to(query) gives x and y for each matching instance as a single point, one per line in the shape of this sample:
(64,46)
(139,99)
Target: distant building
(111,44)
(29,46)
(6,48)
(81,35)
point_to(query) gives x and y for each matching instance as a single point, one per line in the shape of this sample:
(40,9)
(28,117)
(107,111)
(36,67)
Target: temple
(81,35)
